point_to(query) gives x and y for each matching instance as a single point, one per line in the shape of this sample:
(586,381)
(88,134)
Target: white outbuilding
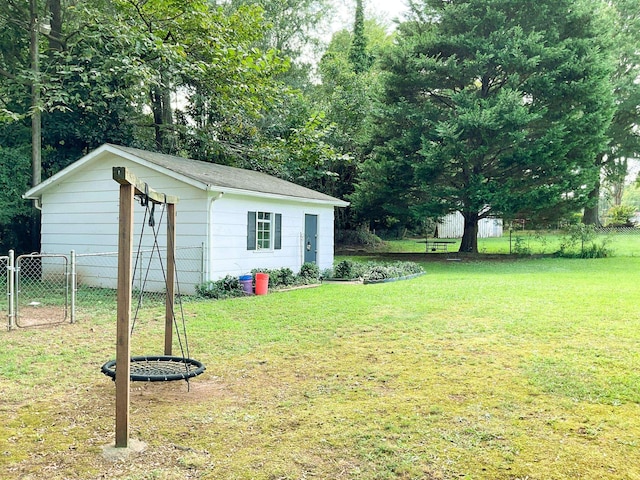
(238,219)
(452,226)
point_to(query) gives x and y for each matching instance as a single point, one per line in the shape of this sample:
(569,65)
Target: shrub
(226,287)
(359,237)
(284,277)
(345,270)
(309,273)
(583,236)
(372,271)
(377,272)
(281,277)
(620,216)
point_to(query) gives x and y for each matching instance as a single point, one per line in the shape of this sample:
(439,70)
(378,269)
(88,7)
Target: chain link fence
(618,230)
(42,290)
(48,289)
(5,276)
(97,274)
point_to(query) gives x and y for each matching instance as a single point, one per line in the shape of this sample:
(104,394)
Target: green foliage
(631,195)
(390,271)
(309,272)
(620,216)
(226,287)
(15,179)
(348,96)
(623,138)
(358,56)
(374,271)
(581,241)
(344,269)
(18,218)
(278,277)
(521,246)
(360,236)
(284,277)
(475,115)
(290,25)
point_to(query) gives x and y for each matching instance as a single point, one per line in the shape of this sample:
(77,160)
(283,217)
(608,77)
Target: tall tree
(492,107)
(293,26)
(105,73)
(350,81)
(358,49)
(623,138)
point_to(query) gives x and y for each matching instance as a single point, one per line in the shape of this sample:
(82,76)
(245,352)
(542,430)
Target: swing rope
(164,367)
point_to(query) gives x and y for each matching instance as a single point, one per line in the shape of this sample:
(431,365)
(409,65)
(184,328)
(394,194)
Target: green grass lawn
(509,369)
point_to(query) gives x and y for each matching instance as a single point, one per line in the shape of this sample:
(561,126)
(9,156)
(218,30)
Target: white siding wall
(81,214)
(228,249)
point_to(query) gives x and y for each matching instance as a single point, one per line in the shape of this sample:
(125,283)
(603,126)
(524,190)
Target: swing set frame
(130,187)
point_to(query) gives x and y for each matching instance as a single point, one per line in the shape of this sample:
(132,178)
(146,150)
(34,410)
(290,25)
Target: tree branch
(11,76)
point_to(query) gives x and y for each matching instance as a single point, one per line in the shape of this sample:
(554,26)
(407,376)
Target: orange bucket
(262,283)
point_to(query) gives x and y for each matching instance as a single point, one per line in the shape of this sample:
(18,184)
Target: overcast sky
(390,8)
(386,9)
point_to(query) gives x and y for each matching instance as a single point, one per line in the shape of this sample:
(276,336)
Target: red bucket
(262,283)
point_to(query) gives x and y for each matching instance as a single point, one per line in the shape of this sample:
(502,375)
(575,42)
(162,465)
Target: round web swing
(159,368)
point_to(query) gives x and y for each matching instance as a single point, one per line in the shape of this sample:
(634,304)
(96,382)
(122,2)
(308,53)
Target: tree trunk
(55,21)
(36,118)
(591,216)
(469,242)
(162,117)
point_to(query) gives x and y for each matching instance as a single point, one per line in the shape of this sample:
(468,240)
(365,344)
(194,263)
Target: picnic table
(437,244)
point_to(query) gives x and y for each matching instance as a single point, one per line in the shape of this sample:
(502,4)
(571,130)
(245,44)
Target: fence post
(74,286)
(11,287)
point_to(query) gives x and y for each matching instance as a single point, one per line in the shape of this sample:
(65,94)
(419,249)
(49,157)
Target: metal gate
(6,286)
(42,290)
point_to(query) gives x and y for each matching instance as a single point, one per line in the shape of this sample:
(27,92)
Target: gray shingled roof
(223,176)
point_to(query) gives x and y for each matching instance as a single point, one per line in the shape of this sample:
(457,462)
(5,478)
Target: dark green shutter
(251,230)
(277,242)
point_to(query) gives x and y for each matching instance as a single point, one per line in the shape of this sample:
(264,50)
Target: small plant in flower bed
(284,277)
(309,273)
(278,277)
(372,271)
(226,287)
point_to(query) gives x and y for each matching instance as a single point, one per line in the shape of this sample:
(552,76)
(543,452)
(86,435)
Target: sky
(387,9)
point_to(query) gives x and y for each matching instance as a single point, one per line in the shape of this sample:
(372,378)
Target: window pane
(263,230)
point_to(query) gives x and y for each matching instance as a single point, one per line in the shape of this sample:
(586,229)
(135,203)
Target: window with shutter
(264,231)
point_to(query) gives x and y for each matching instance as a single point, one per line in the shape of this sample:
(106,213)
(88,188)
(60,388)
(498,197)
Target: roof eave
(34,193)
(275,196)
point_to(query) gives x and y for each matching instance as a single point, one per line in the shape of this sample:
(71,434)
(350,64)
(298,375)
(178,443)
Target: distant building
(452,226)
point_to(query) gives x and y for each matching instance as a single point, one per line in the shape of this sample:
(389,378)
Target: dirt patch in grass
(180,392)
(40,316)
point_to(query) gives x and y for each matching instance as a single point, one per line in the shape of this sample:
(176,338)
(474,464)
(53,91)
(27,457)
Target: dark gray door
(310,238)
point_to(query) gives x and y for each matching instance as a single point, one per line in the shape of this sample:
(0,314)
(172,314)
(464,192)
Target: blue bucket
(247,283)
